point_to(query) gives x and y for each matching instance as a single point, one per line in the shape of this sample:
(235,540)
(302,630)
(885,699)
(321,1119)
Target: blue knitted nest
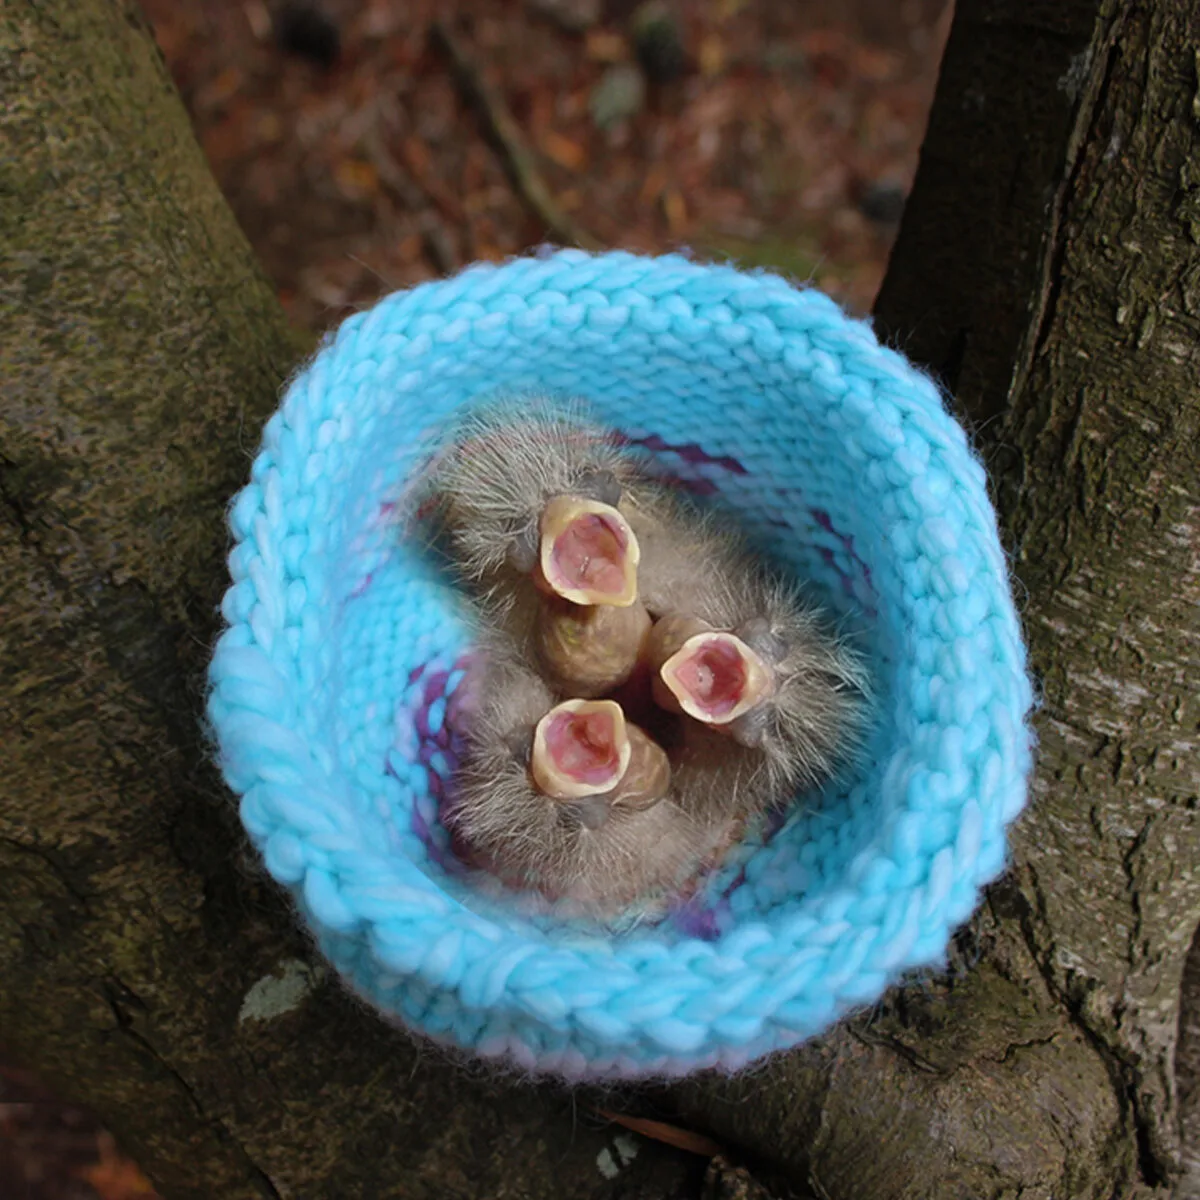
(332,690)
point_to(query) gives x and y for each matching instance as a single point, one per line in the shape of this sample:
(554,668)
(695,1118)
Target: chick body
(506,463)
(507,469)
(813,715)
(602,854)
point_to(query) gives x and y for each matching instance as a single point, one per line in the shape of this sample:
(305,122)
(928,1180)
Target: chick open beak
(580,748)
(716,678)
(588,554)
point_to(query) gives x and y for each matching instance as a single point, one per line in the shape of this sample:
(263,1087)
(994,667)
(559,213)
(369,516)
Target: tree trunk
(1047,269)
(145,968)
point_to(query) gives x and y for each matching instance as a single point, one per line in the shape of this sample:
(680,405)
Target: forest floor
(367,145)
(782,134)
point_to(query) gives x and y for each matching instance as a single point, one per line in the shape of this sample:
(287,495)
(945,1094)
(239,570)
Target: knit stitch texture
(332,689)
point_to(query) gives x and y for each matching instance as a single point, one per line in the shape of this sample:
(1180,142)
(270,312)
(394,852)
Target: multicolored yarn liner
(332,689)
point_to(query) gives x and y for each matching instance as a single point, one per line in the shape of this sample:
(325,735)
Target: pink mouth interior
(589,553)
(715,677)
(583,746)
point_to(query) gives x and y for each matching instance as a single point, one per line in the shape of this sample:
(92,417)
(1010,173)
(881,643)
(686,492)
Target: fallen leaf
(415,154)
(675,210)
(618,96)
(671,1135)
(356,177)
(712,56)
(115,1177)
(874,65)
(259,19)
(833,42)
(408,249)
(223,142)
(568,154)
(224,87)
(268,128)
(654,185)
(489,252)
(605,47)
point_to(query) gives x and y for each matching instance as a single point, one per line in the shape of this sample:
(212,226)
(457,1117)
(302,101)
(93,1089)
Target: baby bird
(529,498)
(773,700)
(569,800)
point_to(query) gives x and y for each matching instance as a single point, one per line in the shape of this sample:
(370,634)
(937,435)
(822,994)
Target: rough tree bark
(144,968)
(1047,268)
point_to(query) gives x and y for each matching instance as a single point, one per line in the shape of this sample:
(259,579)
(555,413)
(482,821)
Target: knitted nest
(332,690)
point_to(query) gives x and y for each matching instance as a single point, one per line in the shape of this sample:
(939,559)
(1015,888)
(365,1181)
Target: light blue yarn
(841,462)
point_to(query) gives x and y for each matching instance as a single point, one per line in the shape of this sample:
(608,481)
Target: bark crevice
(1092,87)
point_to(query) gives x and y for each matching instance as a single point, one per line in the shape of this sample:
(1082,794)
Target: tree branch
(1046,269)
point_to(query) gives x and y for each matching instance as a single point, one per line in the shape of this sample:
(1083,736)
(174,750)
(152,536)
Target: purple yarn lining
(690,452)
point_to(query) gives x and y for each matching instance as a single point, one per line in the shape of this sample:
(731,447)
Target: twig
(506,135)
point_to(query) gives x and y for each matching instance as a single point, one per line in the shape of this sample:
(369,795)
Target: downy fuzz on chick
(568,800)
(529,496)
(774,700)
